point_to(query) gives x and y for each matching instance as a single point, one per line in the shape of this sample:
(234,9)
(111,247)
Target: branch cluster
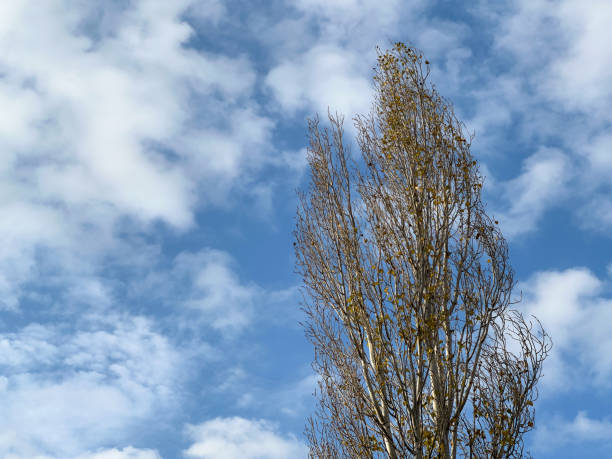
(407,287)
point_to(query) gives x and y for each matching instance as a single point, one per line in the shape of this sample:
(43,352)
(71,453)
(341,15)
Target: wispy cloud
(541,184)
(558,432)
(125,453)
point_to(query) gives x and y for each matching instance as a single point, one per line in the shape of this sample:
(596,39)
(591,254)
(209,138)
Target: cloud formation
(101,128)
(66,391)
(130,129)
(575,311)
(558,432)
(125,453)
(240,438)
(540,185)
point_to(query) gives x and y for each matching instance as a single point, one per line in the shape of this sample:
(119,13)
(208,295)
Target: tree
(408,288)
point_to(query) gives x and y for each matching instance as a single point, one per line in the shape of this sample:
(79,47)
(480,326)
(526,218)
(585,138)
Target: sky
(150,152)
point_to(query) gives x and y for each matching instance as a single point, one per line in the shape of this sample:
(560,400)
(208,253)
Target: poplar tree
(408,287)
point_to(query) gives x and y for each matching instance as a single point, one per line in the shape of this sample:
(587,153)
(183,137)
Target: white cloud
(105,102)
(540,185)
(525,26)
(590,429)
(98,133)
(564,46)
(557,432)
(325,76)
(494,108)
(66,392)
(330,65)
(573,310)
(204,289)
(125,453)
(240,438)
(205,282)
(548,83)
(221,155)
(596,213)
(599,155)
(128,452)
(216,290)
(581,76)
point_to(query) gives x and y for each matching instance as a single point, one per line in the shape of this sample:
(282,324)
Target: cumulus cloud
(325,76)
(330,65)
(598,153)
(113,123)
(557,48)
(240,438)
(296,399)
(114,453)
(575,308)
(99,127)
(64,392)
(575,312)
(97,109)
(581,76)
(597,214)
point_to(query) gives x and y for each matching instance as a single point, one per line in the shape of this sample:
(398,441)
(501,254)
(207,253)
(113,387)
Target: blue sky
(150,155)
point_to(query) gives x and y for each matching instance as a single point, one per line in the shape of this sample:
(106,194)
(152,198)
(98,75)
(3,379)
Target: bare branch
(408,287)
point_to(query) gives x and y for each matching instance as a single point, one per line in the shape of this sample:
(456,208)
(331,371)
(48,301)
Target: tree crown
(408,286)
